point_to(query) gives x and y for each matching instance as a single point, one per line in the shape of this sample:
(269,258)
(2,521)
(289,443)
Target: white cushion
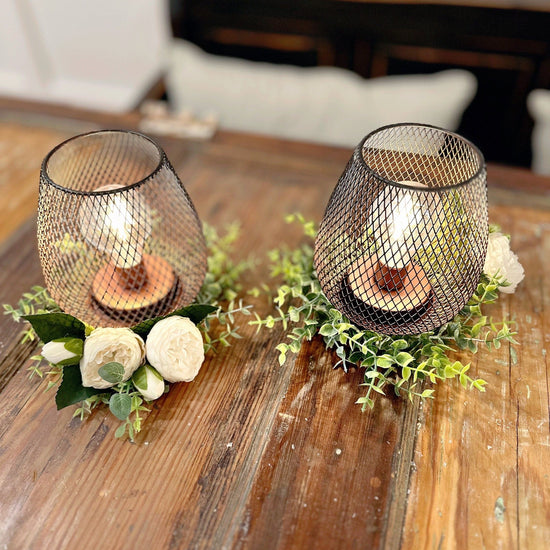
(538,103)
(322,104)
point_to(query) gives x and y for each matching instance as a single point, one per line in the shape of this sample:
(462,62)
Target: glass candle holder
(118,236)
(401,247)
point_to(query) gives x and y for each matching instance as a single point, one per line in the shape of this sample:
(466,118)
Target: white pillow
(538,103)
(322,104)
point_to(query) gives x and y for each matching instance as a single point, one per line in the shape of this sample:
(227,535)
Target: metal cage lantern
(403,240)
(118,236)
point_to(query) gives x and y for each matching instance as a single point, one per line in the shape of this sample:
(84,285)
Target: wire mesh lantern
(403,240)
(118,236)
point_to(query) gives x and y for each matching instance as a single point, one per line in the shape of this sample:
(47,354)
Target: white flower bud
(106,345)
(502,262)
(63,351)
(148,382)
(175,349)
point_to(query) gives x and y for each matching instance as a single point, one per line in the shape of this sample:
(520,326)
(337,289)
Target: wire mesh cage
(118,236)
(401,247)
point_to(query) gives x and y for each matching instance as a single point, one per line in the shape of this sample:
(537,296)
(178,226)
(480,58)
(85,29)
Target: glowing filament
(117,225)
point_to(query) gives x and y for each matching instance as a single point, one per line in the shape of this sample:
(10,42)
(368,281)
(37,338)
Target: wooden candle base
(366,292)
(388,278)
(148,285)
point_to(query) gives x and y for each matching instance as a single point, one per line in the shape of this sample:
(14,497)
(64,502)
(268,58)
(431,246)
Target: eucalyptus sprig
(222,283)
(399,362)
(35,301)
(123,400)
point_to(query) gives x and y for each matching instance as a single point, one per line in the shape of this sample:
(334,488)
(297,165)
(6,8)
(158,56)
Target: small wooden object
(388,278)
(403,294)
(146,285)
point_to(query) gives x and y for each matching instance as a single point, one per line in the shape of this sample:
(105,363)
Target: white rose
(148,382)
(63,351)
(105,345)
(175,349)
(502,262)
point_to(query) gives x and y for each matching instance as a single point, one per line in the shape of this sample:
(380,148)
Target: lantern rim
(162,160)
(482,164)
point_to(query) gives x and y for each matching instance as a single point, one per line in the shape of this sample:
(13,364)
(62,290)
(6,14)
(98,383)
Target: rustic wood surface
(256,456)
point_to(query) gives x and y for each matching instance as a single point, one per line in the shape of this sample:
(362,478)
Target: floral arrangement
(127,367)
(399,362)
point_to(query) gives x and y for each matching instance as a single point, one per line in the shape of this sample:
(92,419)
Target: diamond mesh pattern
(404,237)
(118,236)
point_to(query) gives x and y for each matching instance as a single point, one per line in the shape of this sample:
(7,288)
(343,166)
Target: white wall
(98,54)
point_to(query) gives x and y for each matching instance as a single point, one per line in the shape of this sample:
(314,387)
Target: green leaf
(479,384)
(399,344)
(366,402)
(71,390)
(472,346)
(74,345)
(403,358)
(449,372)
(373,374)
(385,361)
(120,431)
(51,326)
(327,330)
(112,372)
(139,378)
(282,347)
(195,312)
(120,405)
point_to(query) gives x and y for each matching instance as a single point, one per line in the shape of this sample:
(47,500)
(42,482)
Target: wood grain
(252,455)
(481,461)
(21,153)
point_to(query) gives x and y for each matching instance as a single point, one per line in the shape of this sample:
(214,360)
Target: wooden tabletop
(252,455)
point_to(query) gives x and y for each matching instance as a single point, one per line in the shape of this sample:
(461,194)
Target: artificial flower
(106,345)
(175,349)
(502,263)
(148,382)
(63,351)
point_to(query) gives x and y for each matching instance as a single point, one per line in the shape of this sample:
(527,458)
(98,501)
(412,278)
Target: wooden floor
(255,456)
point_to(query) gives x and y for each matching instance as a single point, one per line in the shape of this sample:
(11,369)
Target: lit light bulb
(401,223)
(388,281)
(117,225)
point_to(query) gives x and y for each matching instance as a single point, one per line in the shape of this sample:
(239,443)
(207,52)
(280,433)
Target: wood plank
(481,461)
(330,477)
(21,154)
(19,270)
